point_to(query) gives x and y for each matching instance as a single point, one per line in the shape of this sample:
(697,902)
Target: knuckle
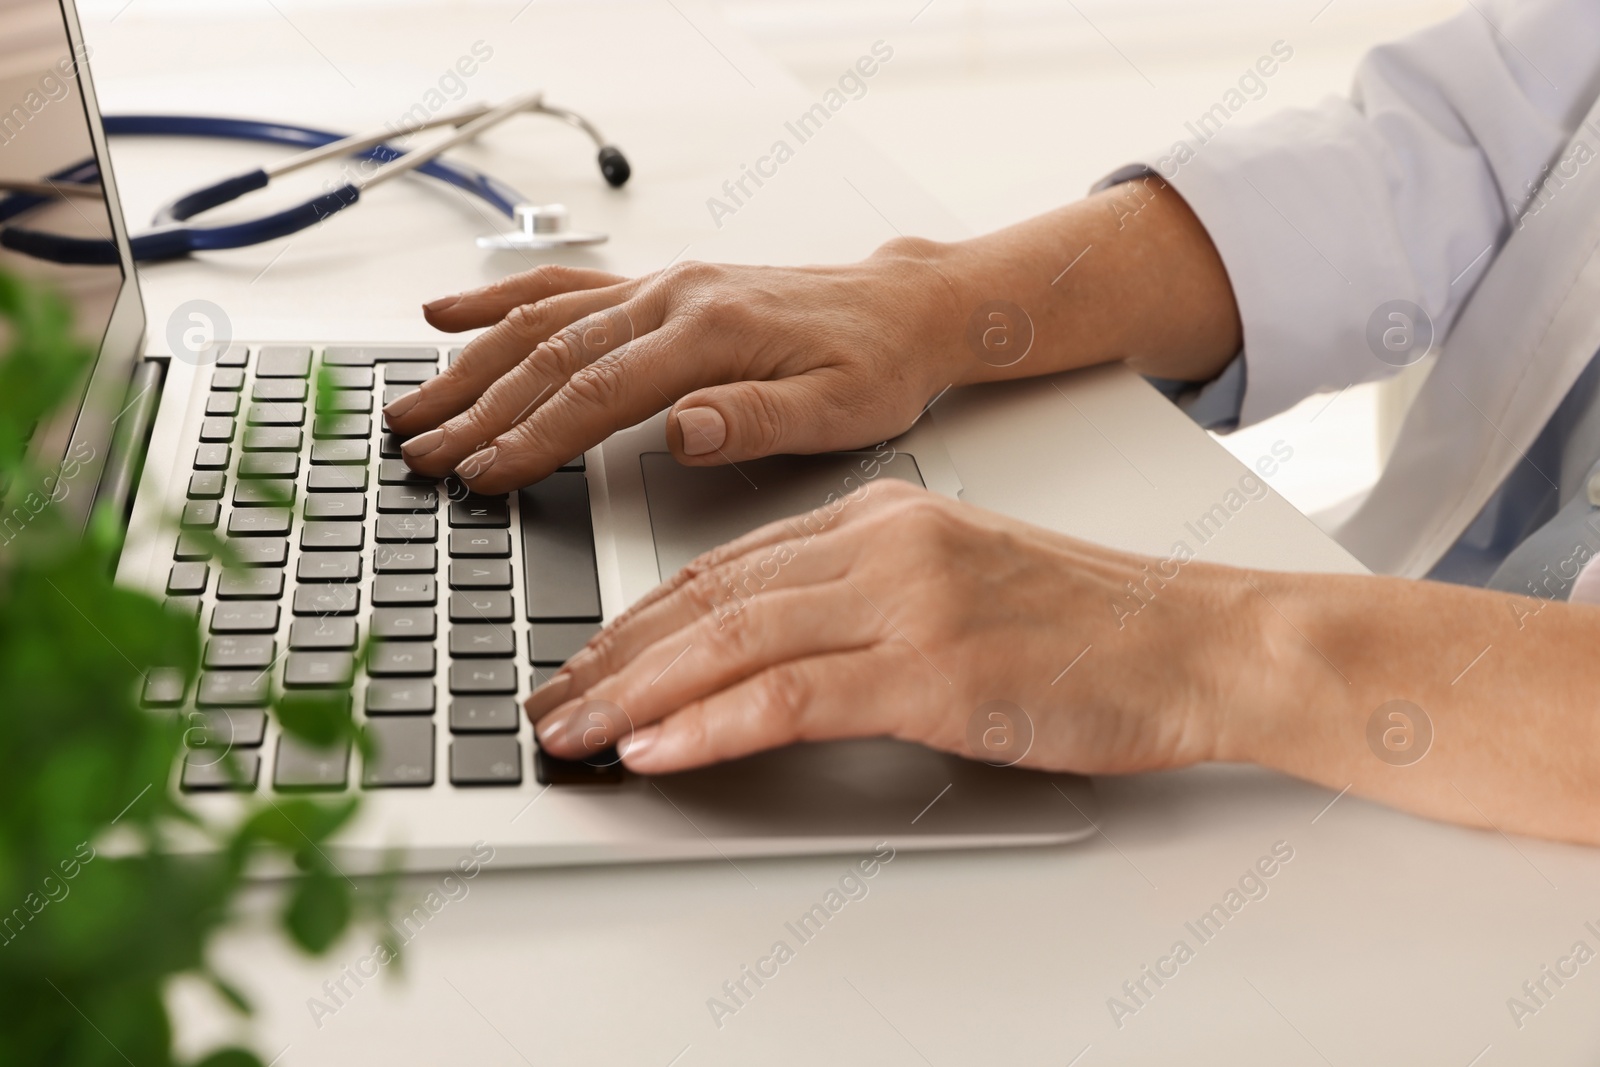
(596,383)
(529,321)
(762,424)
(690,273)
(783,693)
(735,637)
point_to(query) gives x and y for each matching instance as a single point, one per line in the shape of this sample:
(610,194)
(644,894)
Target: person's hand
(752,360)
(906,616)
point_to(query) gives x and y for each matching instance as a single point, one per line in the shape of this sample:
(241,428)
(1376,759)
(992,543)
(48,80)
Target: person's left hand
(905,616)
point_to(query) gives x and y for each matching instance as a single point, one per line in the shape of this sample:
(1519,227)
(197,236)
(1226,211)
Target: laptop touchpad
(693,509)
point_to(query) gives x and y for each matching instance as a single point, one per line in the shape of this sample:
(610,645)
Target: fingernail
(477,463)
(442,303)
(640,744)
(422,444)
(555,729)
(703,430)
(402,403)
(550,694)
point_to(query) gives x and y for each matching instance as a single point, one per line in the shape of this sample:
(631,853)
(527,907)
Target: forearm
(1508,684)
(1126,274)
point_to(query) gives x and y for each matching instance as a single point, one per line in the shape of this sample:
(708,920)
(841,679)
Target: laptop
(470,601)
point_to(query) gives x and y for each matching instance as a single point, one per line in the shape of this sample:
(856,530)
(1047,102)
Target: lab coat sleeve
(1405,190)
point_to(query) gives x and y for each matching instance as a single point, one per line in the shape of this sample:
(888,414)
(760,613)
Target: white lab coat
(1422,186)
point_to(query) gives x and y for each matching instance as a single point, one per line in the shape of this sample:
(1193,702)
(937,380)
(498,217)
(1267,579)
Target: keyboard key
(227,379)
(480,574)
(233,688)
(483,676)
(391,393)
(550,644)
(408,498)
(234,727)
(389,446)
(326,426)
(391,658)
(283,361)
(261,551)
(486,760)
(399,696)
(480,607)
(327,600)
(212,457)
(602,768)
(274,414)
(347,506)
(264,583)
(323,632)
(481,543)
(245,617)
(413,623)
(482,639)
(396,528)
(240,650)
(259,521)
(293,389)
(273,439)
(332,535)
(329,567)
(207,485)
(188,579)
(269,465)
(402,756)
(409,373)
(216,429)
(573,464)
(400,590)
(190,547)
(349,377)
(395,472)
(344,478)
(303,670)
(481,511)
(232,355)
(340,451)
(264,493)
(183,605)
(367,355)
(164,687)
(561,576)
(404,559)
(484,715)
(346,401)
(222,404)
(204,773)
(200,515)
(302,766)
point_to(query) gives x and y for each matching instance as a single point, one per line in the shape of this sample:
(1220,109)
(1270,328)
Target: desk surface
(1384,939)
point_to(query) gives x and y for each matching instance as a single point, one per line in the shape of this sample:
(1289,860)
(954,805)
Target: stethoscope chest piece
(544,226)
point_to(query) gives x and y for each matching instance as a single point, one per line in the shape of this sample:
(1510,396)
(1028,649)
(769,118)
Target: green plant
(98,910)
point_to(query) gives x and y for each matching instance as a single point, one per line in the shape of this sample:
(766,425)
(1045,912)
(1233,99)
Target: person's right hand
(752,361)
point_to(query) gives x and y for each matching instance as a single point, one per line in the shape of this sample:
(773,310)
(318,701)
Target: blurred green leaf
(319,909)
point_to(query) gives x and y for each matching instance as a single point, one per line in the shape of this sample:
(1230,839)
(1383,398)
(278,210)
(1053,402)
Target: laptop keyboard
(368,548)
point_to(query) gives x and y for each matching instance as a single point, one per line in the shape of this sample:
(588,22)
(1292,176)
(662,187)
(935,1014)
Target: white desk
(1385,940)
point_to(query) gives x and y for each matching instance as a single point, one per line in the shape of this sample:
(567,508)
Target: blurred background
(1005,108)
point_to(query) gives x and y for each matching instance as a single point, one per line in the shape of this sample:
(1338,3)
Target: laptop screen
(54,179)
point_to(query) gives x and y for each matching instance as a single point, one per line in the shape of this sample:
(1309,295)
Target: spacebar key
(561,578)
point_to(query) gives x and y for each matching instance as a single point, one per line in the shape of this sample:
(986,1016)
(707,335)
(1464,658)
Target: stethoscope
(539,226)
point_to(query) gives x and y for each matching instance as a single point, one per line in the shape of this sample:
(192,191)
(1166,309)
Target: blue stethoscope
(541,226)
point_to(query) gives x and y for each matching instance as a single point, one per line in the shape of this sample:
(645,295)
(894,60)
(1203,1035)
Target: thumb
(748,420)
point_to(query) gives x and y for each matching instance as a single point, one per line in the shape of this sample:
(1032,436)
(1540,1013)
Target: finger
(803,528)
(517,394)
(785,554)
(808,413)
(486,358)
(489,304)
(710,655)
(860,693)
(613,392)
